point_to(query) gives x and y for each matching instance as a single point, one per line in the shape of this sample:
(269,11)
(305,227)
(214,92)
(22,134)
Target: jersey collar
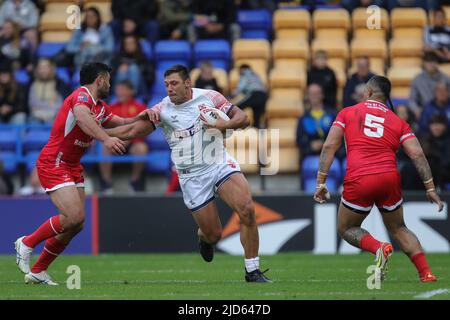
(95,102)
(378,102)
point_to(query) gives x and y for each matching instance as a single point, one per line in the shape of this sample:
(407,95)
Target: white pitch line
(429,294)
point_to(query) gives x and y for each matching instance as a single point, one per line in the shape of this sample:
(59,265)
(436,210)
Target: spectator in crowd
(251,92)
(25,14)
(362,75)
(405,114)
(323,75)
(214,19)
(256,4)
(13,49)
(46,94)
(174,18)
(206,79)
(439,105)
(137,17)
(126,107)
(314,125)
(93,42)
(12,98)
(131,64)
(437,37)
(422,87)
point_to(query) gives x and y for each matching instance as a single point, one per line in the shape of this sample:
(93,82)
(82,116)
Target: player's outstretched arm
(415,153)
(137,129)
(89,126)
(119,121)
(331,145)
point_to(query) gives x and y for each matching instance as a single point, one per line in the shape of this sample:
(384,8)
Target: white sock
(251,264)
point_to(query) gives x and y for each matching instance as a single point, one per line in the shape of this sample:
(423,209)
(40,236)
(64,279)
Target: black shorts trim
(204,204)
(383,210)
(225,178)
(355,210)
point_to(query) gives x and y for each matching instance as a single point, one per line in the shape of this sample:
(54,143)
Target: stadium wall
(140,224)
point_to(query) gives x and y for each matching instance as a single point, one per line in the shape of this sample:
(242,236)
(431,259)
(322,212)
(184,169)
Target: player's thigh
(68,201)
(235,191)
(207,219)
(349,219)
(393,220)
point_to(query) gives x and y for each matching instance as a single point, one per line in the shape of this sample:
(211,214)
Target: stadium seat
(75,82)
(258,19)
(53,21)
(158,88)
(403,76)
(331,33)
(22,76)
(291,19)
(159,161)
(247,159)
(63,74)
(406,62)
(9,160)
(243,146)
(163,65)
(286,130)
(369,34)
(410,33)
(251,49)
(400,47)
(408,17)
(445,67)
(372,48)
(360,20)
(56,36)
(49,49)
(157,140)
(297,64)
(35,139)
(287,162)
(30,160)
(8,138)
(302,34)
(400,91)
(146,48)
(331,18)
(287,78)
(255,34)
(212,50)
(290,49)
(335,48)
(284,108)
(172,50)
(311,183)
(287,93)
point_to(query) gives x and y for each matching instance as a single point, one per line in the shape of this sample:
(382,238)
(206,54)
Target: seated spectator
(174,17)
(440,105)
(14,50)
(270,5)
(94,42)
(137,17)
(422,87)
(404,113)
(214,19)
(251,92)
(324,76)
(46,94)
(126,107)
(362,75)
(25,14)
(12,98)
(314,125)
(206,79)
(131,64)
(350,5)
(437,37)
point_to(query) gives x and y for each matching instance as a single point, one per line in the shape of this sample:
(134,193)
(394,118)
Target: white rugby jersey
(194,149)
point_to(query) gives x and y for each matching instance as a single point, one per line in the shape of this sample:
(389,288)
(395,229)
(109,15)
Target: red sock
(369,243)
(53,247)
(421,263)
(48,229)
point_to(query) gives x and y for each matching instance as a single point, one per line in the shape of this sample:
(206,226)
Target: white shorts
(200,190)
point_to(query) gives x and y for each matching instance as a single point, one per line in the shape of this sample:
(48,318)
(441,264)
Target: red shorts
(53,178)
(381,189)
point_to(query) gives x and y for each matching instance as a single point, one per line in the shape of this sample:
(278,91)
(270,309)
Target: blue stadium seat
(49,49)
(9,160)
(35,139)
(344,166)
(399,101)
(163,65)
(30,160)
(310,166)
(310,185)
(216,63)
(172,50)
(158,88)
(157,141)
(22,76)
(447,186)
(155,100)
(63,74)
(146,49)
(159,162)
(217,50)
(75,79)
(8,139)
(255,19)
(255,34)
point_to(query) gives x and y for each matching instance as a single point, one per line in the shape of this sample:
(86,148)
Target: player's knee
(247,213)
(139,149)
(214,236)
(75,221)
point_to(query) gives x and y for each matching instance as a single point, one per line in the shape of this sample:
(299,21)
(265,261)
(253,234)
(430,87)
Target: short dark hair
(382,84)
(178,68)
(441,10)
(430,57)
(245,66)
(90,71)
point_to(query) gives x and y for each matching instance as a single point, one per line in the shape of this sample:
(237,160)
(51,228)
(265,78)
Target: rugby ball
(209,116)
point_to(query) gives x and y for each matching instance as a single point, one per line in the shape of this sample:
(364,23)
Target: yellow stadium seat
(285,160)
(412,33)
(369,34)
(334,48)
(53,21)
(220,75)
(406,62)
(297,64)
(399,47)
(331,33)
(361,17)
(288,48)
(373,48)
(59,7)
(403,76)
(445,67)
(284,108)
(408,17)
(287,93)
(251,49)
(287,78)
(302,34)
(245,158)
(243,146)
(56,36)
(286,129)
(337,64)
(401,92)
(331,18)
(291,19)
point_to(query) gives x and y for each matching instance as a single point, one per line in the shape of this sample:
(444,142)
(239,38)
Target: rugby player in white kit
(202,179)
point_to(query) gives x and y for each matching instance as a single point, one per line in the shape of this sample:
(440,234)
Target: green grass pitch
(186,276)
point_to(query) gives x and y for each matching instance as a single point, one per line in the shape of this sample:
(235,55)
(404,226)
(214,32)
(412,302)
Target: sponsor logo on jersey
(82,144)
(83,97)
(189,132)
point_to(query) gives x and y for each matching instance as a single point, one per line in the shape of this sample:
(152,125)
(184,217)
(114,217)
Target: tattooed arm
(415,153)
(331,145)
